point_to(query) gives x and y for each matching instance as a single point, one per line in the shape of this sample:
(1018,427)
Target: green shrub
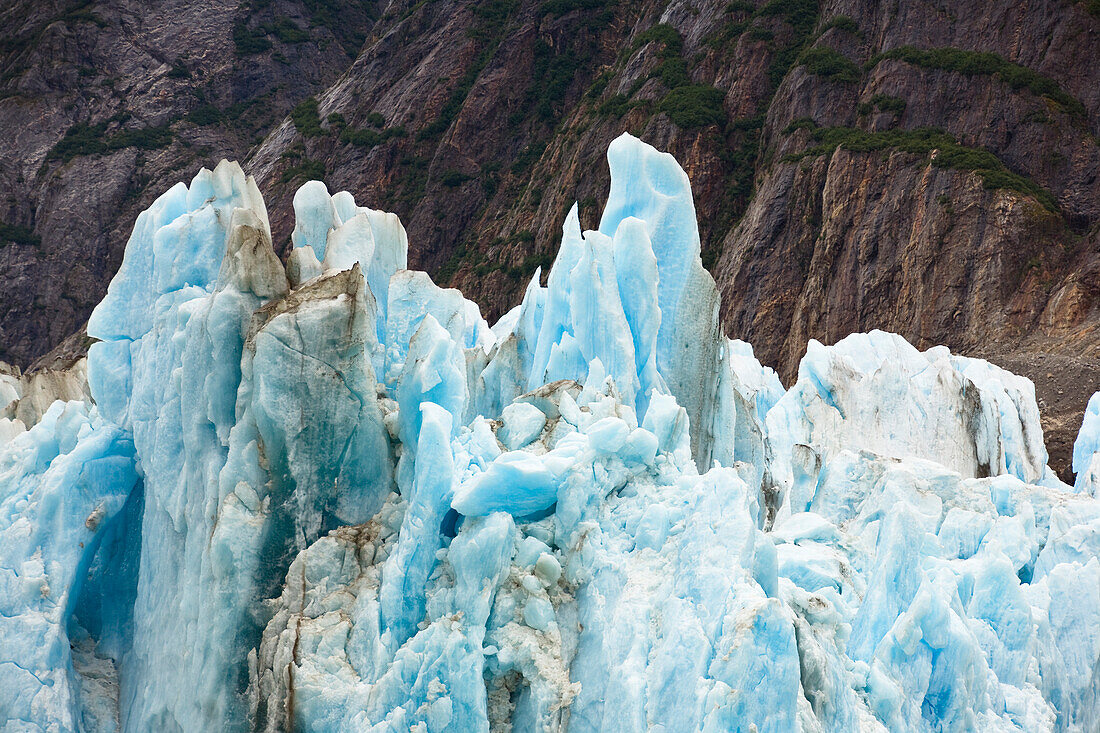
(360,138)
(146,138)
(599,84)
(672,69)
(801,15)
(448,269)
(412,179)
(491,17)
(887,103)
(695,105)
(528,157)
(802,123)
(661,33)
(306,170)
(727,34)
(558,8)
(369,138)
(287,32)
(960,158)
(347,21)
(551,77)
(687,105)
(615,106)
(994,179)
(672,72)
(494,13)
(82,139)
(245,118)
(178,71)
(743,149)
(1037,116)
(248,42)
(306,118)
(827,63)
(530,262)
(843,23)
(18,234)
(375,119)
(748,124)
(973,63)
(923,141)
(453,178)
(204,114)
(884,103)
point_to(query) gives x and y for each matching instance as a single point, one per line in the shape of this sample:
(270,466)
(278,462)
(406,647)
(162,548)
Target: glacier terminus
(330,496)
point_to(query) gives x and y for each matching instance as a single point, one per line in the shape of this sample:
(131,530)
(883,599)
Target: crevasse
(330,497)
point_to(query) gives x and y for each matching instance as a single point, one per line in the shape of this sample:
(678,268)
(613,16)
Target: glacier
(330,496)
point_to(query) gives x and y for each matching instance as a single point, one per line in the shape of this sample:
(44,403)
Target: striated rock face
(884,238)
(105,104)
(825,206)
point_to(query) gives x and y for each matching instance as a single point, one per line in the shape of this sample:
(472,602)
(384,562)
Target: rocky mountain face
(929,168)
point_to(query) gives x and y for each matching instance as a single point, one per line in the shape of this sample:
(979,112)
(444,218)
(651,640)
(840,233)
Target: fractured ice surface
(1086,450)
(63,486)
(331,497)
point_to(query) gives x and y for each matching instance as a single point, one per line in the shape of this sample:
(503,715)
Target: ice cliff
(331,497)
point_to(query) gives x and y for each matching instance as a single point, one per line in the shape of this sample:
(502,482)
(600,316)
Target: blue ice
(328,495)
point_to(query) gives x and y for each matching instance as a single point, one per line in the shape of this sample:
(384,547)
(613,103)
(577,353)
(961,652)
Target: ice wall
(876,392)
(63,486)
(255,415)
(1086,450)
(331,497)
